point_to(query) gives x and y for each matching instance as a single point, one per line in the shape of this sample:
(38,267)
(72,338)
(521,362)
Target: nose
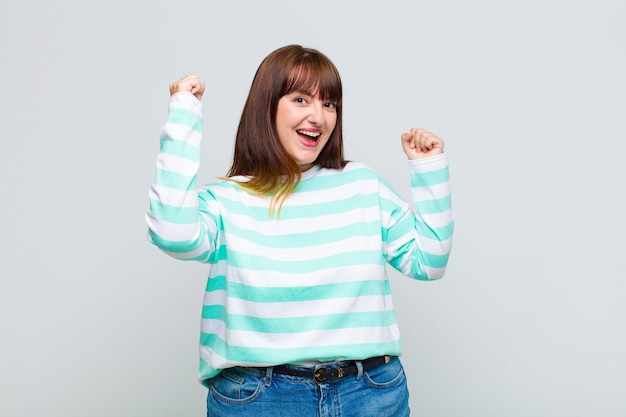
(316,115)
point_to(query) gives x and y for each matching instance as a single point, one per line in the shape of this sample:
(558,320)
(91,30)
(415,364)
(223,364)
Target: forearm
(173,217)
(434,221)
(418,242)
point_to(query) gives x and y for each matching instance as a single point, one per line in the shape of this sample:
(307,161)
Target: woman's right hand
(188,84)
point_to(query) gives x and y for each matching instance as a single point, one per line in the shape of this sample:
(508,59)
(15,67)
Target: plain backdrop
(529,97)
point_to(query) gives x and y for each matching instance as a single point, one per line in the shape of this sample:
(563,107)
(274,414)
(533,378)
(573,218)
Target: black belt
(322,374)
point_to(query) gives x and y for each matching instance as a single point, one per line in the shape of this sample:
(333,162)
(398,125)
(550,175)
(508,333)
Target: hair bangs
(315,76)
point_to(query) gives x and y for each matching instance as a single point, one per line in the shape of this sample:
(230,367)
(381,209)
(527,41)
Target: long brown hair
(259,154)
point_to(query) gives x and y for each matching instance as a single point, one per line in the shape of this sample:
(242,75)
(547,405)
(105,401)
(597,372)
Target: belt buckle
(317,375)
(319,378)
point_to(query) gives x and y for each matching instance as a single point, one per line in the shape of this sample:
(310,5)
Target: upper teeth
(309,133)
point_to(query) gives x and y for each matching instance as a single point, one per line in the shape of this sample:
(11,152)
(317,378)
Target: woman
(298,317)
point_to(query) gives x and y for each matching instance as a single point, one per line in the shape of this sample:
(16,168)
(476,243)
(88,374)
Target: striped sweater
(311,284)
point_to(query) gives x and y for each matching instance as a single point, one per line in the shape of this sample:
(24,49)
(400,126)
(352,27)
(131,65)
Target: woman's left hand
(420,143)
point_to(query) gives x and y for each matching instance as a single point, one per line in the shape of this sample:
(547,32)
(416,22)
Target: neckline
(305,175)
(310,173)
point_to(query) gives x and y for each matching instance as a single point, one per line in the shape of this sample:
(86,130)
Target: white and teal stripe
(312,284)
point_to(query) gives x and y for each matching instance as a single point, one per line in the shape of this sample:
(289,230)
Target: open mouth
(308,136)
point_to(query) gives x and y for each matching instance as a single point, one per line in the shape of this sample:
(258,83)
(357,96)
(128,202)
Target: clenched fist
(188,84)
(420,143)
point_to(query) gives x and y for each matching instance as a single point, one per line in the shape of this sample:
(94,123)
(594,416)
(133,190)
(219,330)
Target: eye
(330,105)
(300,100)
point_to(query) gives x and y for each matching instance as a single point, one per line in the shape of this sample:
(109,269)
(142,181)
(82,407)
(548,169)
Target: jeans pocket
(235,387)
(386,376)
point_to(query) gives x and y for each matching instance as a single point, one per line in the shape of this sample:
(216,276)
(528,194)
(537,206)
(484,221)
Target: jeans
(259,392)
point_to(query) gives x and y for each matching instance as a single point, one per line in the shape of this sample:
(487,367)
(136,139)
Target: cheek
(332,121)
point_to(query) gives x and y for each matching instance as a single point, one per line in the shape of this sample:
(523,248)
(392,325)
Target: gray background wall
(529,97)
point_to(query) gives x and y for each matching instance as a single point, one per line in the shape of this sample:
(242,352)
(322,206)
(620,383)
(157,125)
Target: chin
(306,161)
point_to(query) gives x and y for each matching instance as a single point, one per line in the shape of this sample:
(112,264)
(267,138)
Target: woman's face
(304,124)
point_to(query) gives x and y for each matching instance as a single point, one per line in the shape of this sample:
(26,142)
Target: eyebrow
(306,93)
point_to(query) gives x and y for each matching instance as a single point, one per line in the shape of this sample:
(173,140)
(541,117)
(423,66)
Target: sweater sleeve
(418,243)
(176,222)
